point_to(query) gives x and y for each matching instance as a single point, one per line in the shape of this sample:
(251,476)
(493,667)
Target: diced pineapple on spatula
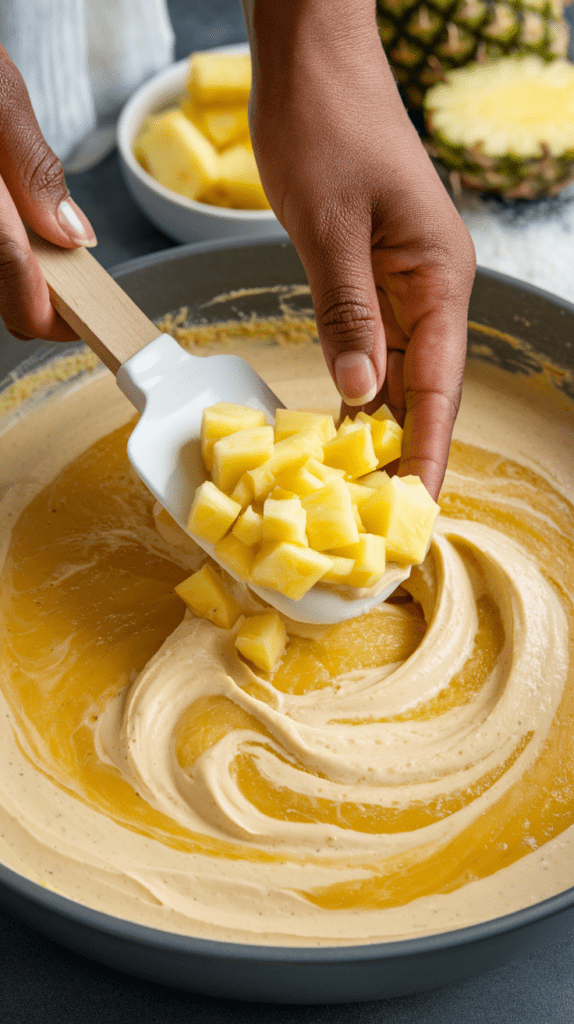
(172,389)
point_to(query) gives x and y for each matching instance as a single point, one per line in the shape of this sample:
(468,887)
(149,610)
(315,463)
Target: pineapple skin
(424,39)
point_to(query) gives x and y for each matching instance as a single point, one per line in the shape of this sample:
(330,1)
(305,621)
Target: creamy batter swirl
(403,773)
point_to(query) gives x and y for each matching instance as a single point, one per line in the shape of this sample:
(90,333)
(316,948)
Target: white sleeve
(128,41)
(47,42)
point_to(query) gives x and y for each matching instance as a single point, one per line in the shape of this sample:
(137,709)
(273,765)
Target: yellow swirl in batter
(388,761)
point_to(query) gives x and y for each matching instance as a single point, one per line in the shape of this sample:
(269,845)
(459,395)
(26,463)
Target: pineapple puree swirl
(407,772)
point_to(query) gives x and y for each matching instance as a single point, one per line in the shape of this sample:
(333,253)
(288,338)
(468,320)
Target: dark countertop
(41,982)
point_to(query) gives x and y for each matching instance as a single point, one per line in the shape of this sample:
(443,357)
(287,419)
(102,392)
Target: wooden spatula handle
(92,303)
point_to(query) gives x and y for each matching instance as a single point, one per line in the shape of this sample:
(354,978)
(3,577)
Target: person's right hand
(32,190)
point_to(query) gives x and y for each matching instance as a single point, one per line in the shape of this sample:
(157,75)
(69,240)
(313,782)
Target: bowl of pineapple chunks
(185,152)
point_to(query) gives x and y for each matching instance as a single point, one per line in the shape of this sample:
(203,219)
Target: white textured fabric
(128,41)
(81,59)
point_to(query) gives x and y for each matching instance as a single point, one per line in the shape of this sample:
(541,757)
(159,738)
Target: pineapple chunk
(358,491)
(383,413)
(223,126)
(249,527)
(207,596)
(373,480)
(243,492)
(330,517)
(177,154)
(238,184)
(223,419)
(235,556)
(322,472)
(300,481)
(279,492)
(284,519)
(212,513)
(340,569)
(261,639)
(288,568)
(259,482)
(348,426)
(369,556)
(235,454)
(358,520)
(352,451)
(219,78)
(404,513)
(290,454)
(293,421)
(387,438)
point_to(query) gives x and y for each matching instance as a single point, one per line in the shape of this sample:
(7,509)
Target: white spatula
(170,389)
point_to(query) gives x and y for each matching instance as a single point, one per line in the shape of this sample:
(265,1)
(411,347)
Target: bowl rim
(176,942)
(151,96)
(166,941)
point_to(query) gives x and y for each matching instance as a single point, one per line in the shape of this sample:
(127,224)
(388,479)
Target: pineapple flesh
(177,154)
(424,39)
(200,148)
(261,639)
(507,127)
(206,595)
(313,508)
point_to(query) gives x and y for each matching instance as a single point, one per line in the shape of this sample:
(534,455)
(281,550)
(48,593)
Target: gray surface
(42,982)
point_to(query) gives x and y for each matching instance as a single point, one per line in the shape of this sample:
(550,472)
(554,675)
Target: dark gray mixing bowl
(188,276)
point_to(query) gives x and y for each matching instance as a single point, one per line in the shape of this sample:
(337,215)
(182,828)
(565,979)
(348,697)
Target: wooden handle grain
(92,303)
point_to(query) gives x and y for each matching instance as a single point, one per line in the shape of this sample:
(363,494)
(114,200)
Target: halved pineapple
(506,127)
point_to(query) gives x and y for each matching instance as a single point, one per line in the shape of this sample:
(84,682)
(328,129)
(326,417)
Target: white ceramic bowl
(184,220)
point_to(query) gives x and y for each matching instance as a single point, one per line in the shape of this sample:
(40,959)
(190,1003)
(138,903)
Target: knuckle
(21,140)
(13,262)
(346,318)
(43,171)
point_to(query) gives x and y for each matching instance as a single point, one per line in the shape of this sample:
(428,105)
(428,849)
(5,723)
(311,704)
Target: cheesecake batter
(404,773)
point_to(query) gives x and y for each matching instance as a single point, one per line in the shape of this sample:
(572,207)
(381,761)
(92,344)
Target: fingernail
(356,378)
(75,223)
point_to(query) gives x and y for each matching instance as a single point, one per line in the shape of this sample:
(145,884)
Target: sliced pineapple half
(506,127)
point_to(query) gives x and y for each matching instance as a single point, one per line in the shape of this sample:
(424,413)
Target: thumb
(349,324)
(31,172)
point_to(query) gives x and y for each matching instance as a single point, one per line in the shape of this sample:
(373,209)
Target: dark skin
(32,187)
(389,261)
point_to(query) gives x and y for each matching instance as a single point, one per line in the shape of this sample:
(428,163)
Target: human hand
(389,261)
(32,190)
